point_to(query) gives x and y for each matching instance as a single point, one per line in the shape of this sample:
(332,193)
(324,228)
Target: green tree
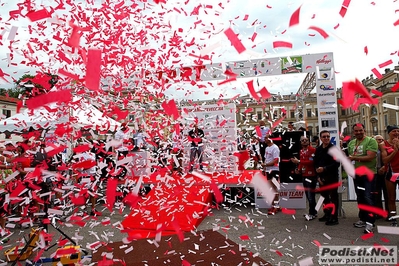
(32,85)
(12,92)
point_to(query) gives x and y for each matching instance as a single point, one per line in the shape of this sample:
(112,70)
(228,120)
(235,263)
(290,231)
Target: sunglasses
(325,137)
(304,140)
(379,139)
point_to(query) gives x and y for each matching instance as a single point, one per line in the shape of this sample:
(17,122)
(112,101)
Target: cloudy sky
(367,25)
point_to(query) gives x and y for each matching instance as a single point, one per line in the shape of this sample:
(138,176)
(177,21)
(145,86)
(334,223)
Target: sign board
(292,196)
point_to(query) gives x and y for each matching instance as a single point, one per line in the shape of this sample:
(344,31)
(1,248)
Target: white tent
(81,114)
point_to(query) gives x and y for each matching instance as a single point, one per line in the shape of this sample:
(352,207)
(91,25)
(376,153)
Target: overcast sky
(366,24)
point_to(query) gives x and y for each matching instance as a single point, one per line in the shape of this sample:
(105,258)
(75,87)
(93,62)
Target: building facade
(303,109)
(376,118)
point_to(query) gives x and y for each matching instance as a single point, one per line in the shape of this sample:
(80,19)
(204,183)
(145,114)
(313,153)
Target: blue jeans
(309,183)
(365,196)
(196,152)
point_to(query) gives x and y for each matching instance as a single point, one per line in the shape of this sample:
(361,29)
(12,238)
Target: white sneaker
(359,224)
(310,217)
(369,228)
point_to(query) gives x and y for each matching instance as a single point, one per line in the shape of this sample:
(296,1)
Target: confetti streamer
(320,31)
(385,64)
(282,44)
(240,48)
(38,15)
(377,73)
(294,20)
(93,69)
(62,96)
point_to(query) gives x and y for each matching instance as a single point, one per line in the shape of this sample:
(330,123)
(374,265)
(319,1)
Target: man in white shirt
(272,170)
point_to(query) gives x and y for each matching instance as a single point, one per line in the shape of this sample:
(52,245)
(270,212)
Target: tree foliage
(31,85)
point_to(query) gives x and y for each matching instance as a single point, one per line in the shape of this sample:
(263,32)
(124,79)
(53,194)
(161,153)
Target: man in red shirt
(305,167)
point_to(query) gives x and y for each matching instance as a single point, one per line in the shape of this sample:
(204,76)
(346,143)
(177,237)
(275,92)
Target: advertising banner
(292,196)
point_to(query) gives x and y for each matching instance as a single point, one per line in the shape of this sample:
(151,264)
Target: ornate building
(303,109)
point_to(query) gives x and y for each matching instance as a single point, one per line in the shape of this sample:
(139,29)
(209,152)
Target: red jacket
(306,165)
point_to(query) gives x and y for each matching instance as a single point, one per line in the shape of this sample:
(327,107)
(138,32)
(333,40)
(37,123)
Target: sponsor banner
(358,255)
(292,196)
(291,64)
(327,94)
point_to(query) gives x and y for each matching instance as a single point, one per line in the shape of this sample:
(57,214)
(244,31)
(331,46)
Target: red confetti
(376,73)
(234,40)
(93,69)
(185,263)
(366,50)
(111,192)
(171,108)
(38,15)
(51,97)
(250,85)
(396,87)
(282,44)
(364,170)
(320,31)
(216,192)
(367,236)
(385,64)
(244,237)
(294,20)
(373,209)
(288,211)
(317,243)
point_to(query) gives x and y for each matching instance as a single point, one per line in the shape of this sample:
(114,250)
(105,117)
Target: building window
(259,113)
(6,113)
(131,118)
(384,101)
(292,114)
(363,111)
(386,120)
(309,112)
(316,112)
(343,112)
(373,110)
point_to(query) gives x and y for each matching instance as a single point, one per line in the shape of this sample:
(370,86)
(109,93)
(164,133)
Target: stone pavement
(280,239)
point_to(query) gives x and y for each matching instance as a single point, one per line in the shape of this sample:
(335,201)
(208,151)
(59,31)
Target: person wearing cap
(272,170)
(362,152)
(390,157)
